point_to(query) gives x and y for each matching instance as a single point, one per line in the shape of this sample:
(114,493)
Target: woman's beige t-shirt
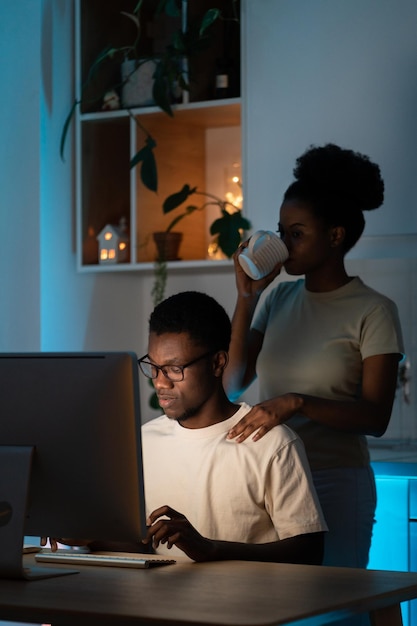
(315,344)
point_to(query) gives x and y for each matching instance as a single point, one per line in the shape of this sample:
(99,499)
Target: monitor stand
(15,468)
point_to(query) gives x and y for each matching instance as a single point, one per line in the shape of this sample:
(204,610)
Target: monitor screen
(70,450)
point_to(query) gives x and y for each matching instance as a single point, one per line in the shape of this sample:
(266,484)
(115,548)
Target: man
(211,499)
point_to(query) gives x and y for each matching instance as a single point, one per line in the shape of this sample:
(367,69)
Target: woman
(325,348)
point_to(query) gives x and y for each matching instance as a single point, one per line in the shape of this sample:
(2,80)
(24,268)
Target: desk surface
(229,593)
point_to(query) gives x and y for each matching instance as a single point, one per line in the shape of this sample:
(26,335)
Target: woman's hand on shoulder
(264,416)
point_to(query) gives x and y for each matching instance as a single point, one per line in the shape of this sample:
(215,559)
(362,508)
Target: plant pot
(168,245)
(137,83)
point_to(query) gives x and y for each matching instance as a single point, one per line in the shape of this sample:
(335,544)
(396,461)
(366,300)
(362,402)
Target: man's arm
(167,526)
(306,549)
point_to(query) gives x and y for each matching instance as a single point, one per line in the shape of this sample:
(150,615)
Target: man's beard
(188,413)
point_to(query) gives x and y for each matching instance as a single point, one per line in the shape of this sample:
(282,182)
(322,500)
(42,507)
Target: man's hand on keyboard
(166,526)
(54,541)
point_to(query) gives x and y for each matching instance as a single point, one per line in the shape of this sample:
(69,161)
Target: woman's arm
(245,343)
(245,346)
(369,415)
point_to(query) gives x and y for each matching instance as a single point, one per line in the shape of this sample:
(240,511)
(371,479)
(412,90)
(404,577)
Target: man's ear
(337,236)
(220,360)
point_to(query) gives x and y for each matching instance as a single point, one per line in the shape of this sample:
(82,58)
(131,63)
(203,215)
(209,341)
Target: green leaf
(139,156)
(170,7)
(175,199)
(132,17)
(228,228)
(241,222)
(137,7)
(178,43)
(229,243)
(208,19)
(107,53)
(217,226)
(148,171)
(66,127)
(160,94)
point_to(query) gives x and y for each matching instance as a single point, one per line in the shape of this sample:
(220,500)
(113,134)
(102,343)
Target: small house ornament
(113,244)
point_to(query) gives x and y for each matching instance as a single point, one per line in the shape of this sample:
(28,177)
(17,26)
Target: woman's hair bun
(349,177)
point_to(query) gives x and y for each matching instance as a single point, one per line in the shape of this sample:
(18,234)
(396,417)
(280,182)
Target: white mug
(264,250)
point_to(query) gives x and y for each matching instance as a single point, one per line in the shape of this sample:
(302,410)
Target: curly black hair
(197,314)
(339,185)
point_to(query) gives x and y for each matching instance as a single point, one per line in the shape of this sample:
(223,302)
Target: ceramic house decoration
(113,244)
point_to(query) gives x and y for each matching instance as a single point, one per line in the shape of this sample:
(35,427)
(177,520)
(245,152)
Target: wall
(327,70)
(20,203)
(331,70)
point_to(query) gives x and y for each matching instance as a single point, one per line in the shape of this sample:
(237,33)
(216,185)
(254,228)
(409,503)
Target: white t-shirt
(315,343)
(253,492)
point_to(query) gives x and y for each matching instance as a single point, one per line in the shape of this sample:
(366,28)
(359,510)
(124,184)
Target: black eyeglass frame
(161,368)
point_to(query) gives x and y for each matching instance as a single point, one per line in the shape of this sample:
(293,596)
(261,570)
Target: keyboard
(105,559)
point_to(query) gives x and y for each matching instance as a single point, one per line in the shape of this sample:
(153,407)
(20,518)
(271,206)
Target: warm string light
(234,185)
(233,195)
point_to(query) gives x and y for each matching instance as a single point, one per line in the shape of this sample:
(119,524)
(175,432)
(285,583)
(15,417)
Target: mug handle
(253,240)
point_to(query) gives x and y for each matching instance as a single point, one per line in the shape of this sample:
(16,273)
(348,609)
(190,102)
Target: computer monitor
(70,451)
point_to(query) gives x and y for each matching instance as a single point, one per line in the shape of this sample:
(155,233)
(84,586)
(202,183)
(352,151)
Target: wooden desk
(227,593)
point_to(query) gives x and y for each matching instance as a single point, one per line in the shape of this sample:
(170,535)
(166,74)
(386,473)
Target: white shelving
(108,190)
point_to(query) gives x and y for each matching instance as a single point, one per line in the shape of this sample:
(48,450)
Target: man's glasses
(174,373)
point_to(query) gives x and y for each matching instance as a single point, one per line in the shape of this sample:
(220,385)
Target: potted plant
(169,72)
(227,229)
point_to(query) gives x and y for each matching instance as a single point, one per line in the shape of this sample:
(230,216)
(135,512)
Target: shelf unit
(196,146)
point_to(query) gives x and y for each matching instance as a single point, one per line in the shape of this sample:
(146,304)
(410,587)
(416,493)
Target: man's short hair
(195,313)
